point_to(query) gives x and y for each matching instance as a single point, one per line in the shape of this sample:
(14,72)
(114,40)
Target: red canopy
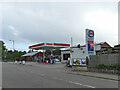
(44,46)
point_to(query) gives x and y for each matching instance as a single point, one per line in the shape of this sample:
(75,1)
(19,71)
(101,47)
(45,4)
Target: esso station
(79,55)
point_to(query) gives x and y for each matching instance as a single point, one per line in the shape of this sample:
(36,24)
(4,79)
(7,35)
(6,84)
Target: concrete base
(78,68)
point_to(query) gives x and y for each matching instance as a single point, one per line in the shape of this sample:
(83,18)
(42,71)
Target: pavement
(97,75)
(83,73)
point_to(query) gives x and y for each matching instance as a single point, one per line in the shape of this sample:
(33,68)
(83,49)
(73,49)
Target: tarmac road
(48,76)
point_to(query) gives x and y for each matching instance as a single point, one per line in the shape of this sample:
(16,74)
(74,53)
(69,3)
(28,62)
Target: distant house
(32,56)
(103,48)
(116,49)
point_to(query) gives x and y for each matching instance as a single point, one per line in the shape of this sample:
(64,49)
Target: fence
(106,59)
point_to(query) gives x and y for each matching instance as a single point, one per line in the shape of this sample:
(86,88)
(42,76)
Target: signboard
(79,62)
(74,61)
(83,62)
(90,41)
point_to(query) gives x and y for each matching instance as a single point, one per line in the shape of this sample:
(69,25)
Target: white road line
(77,83)
(80,84)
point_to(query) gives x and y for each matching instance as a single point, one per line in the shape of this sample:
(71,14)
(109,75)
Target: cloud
(15,32)
(30,23)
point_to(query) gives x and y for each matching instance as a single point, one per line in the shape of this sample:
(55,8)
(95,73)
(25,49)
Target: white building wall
(79,53)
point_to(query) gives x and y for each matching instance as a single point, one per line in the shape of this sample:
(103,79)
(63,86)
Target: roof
(69,48)
(49,46)
(117,45)
(100,43)
(30,54)
(65,49)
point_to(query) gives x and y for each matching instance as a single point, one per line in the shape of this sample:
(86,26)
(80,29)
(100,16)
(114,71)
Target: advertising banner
(79,62)
(83,62)
(74,61)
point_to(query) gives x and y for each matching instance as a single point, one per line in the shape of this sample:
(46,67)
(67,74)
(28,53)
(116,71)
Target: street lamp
(13,43)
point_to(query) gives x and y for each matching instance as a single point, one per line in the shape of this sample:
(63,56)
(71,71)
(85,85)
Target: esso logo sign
(91,33)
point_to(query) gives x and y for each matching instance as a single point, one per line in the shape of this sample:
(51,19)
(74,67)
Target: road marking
(77,83)
(80,84)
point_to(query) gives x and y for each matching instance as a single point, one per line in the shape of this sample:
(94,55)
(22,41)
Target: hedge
(112,66)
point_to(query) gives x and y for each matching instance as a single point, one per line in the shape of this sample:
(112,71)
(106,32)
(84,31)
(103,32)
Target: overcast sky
(31,23)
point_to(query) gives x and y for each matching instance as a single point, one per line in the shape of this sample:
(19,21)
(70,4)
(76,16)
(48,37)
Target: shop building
(75,52)
(32,56)
(81,51)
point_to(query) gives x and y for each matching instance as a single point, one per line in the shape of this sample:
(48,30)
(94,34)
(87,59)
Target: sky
(29,23)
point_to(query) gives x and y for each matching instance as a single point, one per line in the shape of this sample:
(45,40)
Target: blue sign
(90,47)
(90,41)
(91,33)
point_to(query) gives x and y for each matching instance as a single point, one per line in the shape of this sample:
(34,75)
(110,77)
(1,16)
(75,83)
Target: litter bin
(53,61)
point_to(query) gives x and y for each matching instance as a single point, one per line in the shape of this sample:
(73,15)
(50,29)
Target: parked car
(57,60)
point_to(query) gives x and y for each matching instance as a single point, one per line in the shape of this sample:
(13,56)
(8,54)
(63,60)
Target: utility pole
(13,43)
(71,42)
(71,61)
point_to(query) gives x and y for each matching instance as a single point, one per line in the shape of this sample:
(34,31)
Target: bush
(112,66)
(101,66)
(118,66)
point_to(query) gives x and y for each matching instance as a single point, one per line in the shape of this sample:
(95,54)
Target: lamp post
(13,48)
(13,43)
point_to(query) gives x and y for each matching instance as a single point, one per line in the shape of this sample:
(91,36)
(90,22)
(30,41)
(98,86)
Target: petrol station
(76,56)
(48,46)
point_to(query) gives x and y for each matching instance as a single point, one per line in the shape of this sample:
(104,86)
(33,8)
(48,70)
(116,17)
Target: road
(49,76)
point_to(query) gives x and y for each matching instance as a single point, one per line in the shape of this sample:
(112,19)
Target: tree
(9,55)
(30,51)
(48,52)
(12,55)
(2,50)
(57,52)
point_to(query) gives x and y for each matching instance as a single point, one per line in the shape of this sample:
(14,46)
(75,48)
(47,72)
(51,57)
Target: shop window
(66,56)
